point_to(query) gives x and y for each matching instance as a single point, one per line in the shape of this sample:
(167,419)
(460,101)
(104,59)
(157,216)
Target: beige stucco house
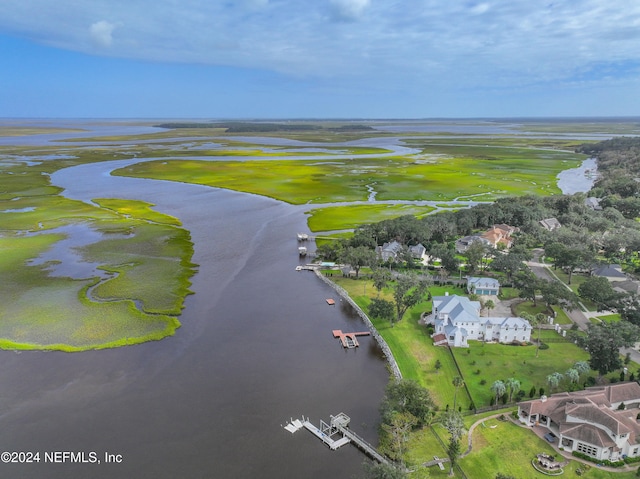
(600,421)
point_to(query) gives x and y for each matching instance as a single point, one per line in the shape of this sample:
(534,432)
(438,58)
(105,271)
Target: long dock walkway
(337,425)
(363,445)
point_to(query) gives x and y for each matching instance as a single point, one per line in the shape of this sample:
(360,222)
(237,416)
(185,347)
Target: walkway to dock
(363,445)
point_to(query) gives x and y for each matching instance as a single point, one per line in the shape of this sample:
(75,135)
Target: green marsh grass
(349,217)
(499,172)
(150,258)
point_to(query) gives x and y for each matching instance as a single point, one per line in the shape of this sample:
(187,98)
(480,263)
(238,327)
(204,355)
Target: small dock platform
(349,340)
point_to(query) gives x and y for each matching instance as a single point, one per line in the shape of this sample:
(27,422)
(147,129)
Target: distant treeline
(616,156)
(618,184)
(611,229)
(247,127)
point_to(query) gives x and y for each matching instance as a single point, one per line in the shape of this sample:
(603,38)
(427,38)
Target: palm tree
(554,379)
(498,389)
(535,321)
(582,367)
(513,385)
(457,383)
(572,375)
(489,304)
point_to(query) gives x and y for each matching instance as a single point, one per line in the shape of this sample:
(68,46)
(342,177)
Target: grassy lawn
(423,445)
(412,346)
(490,362)
(509,449)
(498,446)
(480,363)
(508,293)
(561,316)
(527,307)
(610,318)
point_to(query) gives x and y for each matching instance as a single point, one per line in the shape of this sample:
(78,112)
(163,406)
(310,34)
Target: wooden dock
(338,425)
(349,340)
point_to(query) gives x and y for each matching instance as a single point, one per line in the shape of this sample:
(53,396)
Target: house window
(586,449)
(451,338)
(635,452)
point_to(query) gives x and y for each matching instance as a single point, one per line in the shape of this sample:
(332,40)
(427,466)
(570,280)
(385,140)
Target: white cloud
(102,33)
(408,44)
(480,8)
(348,10)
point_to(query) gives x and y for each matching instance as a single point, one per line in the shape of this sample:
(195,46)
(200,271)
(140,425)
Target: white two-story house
(456,320)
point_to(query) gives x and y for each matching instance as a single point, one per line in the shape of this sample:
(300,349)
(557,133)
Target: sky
(319,58)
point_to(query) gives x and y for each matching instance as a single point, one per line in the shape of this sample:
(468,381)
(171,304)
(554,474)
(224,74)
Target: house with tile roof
(456,320)
(500,235)
(600,421)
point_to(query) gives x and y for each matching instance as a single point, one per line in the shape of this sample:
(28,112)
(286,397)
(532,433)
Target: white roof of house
(511,321)
(483,282)
(461,309)
(458,307)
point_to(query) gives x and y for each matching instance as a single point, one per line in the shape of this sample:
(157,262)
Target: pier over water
(338,425)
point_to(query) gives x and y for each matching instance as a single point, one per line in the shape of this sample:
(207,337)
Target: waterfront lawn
(349,217)
(416,356)
(422,447)
(491,362)
(412,346)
